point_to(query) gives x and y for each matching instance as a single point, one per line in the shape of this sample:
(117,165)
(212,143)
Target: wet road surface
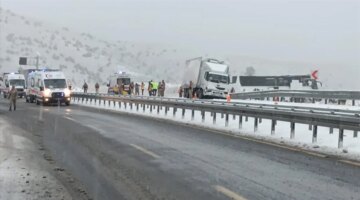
(123,156)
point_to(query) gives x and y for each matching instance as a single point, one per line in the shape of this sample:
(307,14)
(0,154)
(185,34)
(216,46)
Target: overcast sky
(316,31)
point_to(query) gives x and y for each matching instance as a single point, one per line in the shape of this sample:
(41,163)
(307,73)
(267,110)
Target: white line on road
(145,151)
(228,193)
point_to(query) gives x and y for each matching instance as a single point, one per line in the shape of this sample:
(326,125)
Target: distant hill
(83,56)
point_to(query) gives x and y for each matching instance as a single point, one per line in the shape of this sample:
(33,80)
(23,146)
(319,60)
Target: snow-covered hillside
(80,55)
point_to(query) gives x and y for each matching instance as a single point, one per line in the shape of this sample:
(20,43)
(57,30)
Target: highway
(123,156)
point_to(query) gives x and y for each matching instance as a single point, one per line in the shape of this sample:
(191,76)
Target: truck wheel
(67,103)
(200,94)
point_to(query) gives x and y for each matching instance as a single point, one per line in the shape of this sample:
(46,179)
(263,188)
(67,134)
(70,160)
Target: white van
(13,79)
(47,86)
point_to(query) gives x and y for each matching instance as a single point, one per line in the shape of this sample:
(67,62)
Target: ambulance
(118,79)
(47,86)
(13,79)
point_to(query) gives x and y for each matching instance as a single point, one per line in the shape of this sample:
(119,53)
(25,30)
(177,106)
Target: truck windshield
(216,78)
(125,81)
(55,83)
(17,82)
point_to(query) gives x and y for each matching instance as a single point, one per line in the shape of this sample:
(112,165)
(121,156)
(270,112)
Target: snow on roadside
(326,142)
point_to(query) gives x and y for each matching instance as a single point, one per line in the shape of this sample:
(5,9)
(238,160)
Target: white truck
(208,78)
(47,86)
(13,79)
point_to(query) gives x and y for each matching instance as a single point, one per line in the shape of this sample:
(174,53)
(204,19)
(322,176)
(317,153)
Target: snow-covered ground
(326,142)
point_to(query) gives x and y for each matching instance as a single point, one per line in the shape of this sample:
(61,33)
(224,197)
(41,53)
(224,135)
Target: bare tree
(250,71)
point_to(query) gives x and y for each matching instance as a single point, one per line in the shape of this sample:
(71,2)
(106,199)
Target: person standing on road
(150,88)
(162,88)
(137,91)
(12,97)
(142,88)
(97,86)
(180,91)
(85,87)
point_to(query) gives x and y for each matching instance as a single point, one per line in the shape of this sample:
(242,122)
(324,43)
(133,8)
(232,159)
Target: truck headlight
(47,93)
(67,92)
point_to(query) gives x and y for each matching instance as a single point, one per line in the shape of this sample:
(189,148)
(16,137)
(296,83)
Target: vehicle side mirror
(41,88)
(234,79)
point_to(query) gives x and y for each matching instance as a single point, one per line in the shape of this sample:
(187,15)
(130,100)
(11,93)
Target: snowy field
(326,142)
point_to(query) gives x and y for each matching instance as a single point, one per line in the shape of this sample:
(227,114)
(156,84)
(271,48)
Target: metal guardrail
(314,117)
(317,94)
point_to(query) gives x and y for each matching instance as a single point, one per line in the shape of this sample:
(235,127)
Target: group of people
(156,88)
(85,87)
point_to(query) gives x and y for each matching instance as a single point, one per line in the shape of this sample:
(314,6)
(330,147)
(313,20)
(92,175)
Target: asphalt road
(123,156)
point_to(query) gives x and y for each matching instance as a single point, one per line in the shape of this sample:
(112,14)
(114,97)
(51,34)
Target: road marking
(350,162)
(228,193)
(69,118)
(152,154)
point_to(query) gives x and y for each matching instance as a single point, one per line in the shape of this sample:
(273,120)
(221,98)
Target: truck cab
(206,78)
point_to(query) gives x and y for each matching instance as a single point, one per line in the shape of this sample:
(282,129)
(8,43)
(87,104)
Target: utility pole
(37,61)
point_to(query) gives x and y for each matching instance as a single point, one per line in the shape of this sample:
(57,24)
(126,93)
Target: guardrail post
(260,120)
(226,120)
(203,116)
(326,101)
(313,100)
(183,113)
(137,107)
(109,102)
(214,118)
(314,138)
(246,118)
(331,130)
(222,115)
(131,106)
(125,105)
(292,132)
(310,127)
(158,109)
(341,138)
(174,111)
(273,123)
(144,107)
(166,110)
(114,103)
(355,134)
(240,121)
(256,120)
(151,108)
(192,114)
(353,102)
(82,100)
(234,116)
